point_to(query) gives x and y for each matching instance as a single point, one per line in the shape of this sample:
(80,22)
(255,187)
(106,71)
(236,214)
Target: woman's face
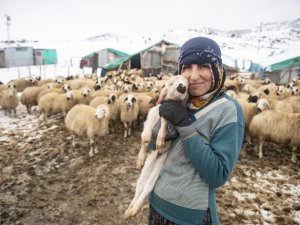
(199,77)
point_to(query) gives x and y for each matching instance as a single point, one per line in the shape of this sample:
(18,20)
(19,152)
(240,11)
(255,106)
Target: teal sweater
(199,162)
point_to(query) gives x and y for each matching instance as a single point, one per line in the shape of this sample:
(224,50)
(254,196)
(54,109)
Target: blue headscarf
(203,50)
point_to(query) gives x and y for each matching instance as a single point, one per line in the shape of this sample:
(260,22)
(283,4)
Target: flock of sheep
(272,112)
(91,105)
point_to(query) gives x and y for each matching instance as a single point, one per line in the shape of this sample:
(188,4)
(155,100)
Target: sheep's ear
(125,99)
(133,99)
(108,101)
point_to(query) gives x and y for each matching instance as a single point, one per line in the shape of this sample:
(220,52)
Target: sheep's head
(69,95)
(85,92)
(247,88)
(295,90)
(111,98)
(290,84)
(11,85)
(176,88)
(267,81)
(66,87)
(262,104)
(101,112)
(130,100)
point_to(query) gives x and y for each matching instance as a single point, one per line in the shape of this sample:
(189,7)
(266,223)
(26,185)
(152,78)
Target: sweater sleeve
(215,162)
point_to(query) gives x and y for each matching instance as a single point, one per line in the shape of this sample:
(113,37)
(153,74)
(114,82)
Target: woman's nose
(195,72)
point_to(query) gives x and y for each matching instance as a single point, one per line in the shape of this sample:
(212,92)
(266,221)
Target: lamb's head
(112,98)
(101,112)
(176,88)
(130,100)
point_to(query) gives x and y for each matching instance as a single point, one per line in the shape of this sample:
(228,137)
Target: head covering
(203,50)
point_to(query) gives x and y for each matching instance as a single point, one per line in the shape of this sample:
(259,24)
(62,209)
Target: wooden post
(95,62)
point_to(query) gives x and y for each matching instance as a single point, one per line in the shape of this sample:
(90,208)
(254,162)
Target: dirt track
(44,180)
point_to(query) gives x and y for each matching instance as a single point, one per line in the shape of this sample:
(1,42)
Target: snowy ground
(44,180)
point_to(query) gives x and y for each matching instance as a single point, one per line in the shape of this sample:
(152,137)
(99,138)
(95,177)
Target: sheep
(295,91)
(290,104)
(82,96)
(278,127)
(83,120)
(29,97)
(9,100)
(177,89)
(249,110)
(56,103)
(49,89)
(21,84)
(129,111)
(111,102)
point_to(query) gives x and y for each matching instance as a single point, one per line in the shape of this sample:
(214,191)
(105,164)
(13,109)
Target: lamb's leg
(91,153)
(145,139)
(148,187)
(160,141)
(142,180)
(294,155)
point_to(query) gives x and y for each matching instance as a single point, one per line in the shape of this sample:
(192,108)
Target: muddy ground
(44,180)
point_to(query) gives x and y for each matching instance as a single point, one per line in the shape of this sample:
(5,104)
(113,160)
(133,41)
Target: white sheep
(129,111)
(29,97)
(278,127)
(177,89)
(83,120)
(9,101)
(56,103)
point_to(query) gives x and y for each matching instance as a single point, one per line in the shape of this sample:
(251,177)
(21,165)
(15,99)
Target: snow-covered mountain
(257,44)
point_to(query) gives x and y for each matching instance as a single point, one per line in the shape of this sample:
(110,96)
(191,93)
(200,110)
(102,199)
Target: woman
(211,130)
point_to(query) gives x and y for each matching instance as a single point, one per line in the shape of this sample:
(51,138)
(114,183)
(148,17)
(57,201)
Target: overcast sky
(79,19)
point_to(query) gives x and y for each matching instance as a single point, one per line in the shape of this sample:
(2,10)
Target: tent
(160,57)
(283,67)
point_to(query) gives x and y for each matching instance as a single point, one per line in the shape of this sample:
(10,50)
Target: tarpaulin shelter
(283,67)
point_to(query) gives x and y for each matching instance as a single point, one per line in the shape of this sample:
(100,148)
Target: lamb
(82,96)
(177,89)
(83,120)
(56,103)
(129,111)
(278,127)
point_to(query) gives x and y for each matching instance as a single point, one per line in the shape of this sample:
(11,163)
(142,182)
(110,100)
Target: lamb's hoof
(129,214)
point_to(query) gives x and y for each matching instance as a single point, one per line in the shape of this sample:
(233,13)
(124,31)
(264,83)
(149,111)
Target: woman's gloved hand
(175,112)
(177,115)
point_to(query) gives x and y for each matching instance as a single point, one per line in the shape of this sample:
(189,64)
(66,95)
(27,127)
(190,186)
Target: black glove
(175,112)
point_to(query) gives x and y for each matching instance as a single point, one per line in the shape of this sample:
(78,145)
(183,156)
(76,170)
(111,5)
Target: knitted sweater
(199,163)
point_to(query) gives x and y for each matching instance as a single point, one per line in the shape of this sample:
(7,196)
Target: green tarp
(286,64)
(49,56)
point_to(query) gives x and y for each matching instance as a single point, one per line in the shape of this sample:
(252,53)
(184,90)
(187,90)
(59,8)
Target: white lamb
(83,120)
(177,89)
